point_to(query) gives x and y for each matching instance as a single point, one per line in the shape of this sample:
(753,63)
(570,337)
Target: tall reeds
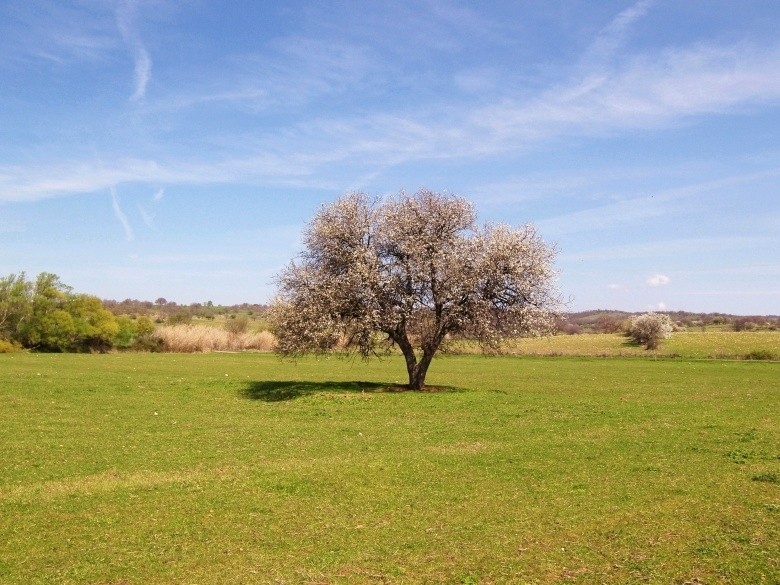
(201,338)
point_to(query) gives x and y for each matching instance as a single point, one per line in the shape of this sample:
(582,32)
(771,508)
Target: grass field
(687,344)
(239,468)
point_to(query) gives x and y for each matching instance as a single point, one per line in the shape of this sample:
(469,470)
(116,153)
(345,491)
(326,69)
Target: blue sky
(177,148)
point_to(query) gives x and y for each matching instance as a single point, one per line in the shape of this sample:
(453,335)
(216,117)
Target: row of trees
(45,314)
(164,310)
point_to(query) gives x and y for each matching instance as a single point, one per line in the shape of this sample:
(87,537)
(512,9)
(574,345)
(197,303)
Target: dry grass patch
(108,481)
(199,339)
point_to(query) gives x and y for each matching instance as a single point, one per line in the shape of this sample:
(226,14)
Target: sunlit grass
(685,344)
(240,468)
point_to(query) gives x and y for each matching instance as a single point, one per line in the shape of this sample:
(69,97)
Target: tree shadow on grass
(280,391)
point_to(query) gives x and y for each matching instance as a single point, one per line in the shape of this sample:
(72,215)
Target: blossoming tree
(412,271)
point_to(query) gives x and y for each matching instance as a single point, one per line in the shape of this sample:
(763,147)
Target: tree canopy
(46,315)
(412,271)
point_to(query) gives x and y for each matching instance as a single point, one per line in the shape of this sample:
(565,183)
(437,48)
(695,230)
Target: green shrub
(9,346)
(145,326)
(761,354)
(180,318)
(128,331)
(768,477)
(147,343)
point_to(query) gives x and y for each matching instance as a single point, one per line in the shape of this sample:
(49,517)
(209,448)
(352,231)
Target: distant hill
(609,321)
(598,321)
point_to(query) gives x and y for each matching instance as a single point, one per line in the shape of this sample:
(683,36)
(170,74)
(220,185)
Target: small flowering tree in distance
(650,329)
(410,271)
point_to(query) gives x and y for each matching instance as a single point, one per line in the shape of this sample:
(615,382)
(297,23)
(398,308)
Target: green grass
(240,468)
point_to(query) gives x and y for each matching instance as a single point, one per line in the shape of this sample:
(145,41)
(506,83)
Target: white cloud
(661,306)
(63,33)
(658,280)
(120,215)
(642,92)
(143,72)
(146,216)
(648,207)
(142,68)
(614,35)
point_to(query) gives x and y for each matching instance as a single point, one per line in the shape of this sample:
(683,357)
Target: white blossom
(650,329)
(412,271)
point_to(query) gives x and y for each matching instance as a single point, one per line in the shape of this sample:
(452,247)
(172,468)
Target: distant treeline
(605,321)
(163,310)
(45,314)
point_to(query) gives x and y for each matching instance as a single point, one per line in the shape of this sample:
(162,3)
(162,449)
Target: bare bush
(237,325)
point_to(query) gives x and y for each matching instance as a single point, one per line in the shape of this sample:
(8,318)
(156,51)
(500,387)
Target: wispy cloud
(647,207)
(148,215)
(614,35)
(58,32)
(639,90)
(42,181)
(120,215)
(143,73)
(645,92)
(142,69)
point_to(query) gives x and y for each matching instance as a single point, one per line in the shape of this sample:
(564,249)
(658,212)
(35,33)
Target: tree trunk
(417,370)
(417,374)
(399,336)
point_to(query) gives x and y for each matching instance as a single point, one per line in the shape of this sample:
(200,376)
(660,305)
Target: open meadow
(711,344)
(241,468)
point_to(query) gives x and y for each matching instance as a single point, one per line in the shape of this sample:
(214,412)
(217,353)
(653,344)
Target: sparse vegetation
(237,324)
